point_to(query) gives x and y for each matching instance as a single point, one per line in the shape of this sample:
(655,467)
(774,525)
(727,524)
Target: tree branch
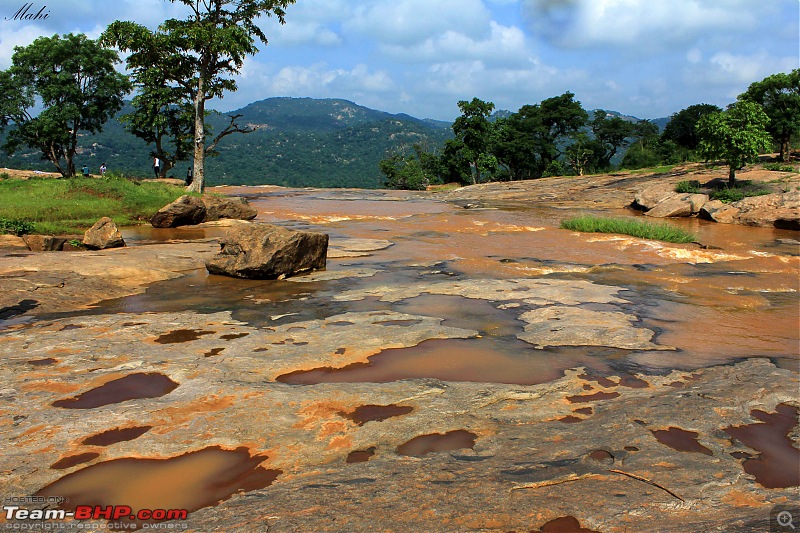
(233,127)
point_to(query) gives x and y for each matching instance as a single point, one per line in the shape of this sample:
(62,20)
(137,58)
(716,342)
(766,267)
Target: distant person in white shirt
(157,166)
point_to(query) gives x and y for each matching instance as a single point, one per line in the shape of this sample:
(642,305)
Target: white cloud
(408,22)
(503,46)
(645,24)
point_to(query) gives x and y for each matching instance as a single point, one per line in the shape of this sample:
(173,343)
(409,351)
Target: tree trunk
(732,176)
(198,184)
(786,150)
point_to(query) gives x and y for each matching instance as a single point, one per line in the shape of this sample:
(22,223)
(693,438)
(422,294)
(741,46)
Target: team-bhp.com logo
(114,517)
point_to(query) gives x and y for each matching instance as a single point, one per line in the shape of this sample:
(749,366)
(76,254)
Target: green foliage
(687,187)
(196,59)
(74,79)
(740,191)
(777,167)
(629,226)
(779,96)
(682,126)
(610,134)
(69,206)
(16,226)
(474,131)
(736,135)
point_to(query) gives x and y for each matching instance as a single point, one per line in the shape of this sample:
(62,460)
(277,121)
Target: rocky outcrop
(661,201)
(221,207)
(185,211)
(103,234)
(264,251)
(780,211)
(772,210)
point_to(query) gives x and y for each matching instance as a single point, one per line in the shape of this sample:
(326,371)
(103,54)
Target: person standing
(189,176)
(157,167)
(85,171)
(103,169)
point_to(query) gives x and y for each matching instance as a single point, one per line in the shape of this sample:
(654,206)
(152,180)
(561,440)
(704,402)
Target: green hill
(298,142)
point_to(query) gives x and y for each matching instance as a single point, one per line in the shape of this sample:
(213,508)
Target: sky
(646,58)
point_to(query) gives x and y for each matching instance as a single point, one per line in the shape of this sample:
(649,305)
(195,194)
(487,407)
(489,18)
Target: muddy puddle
(186,482)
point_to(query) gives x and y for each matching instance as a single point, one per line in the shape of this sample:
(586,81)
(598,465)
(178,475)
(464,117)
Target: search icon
(785,519)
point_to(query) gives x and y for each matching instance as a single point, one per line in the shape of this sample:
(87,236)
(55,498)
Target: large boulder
(772,210)
(219,207)
(650,197)
(185,211)
(678,205)
(719,212)
(264,251)
(104,234)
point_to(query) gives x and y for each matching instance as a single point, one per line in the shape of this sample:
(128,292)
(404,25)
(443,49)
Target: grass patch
(778,167)
(629,226)
(58,206)
(739,191)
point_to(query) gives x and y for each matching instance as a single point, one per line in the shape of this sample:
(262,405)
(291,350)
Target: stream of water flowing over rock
(454,369)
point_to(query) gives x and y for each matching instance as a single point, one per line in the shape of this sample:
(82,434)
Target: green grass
(57,206)
(629,226)
(687,187)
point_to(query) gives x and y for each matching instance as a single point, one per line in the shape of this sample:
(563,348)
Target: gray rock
(103,234)
(44,243)
(264,251)
(185,211)
(222,207)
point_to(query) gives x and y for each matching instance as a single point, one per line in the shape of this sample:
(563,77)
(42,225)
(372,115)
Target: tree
(198,55)
(779,95)
(681,128)
(530,141)
(159,121)
(736,135)
(473,129)
(610,134)
(411,171)
(74,79)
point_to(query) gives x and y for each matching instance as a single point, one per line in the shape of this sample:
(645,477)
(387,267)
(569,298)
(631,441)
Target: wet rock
(573,326)
(264,251)
(719,212)
(772,210)
(678,205)
(103,234)
(223,207)
(185,211)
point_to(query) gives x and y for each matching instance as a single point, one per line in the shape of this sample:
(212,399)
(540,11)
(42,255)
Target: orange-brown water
(190,481)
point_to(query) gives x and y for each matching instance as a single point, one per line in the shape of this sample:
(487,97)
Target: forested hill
(298,142)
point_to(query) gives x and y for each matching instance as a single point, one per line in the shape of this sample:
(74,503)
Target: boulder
(220,207)
(264,251)
(185,211)
(719,212)
(678,205)
(652,196)
(44,243)
(104,234)
(781,210)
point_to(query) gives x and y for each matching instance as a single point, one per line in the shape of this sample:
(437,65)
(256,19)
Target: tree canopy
(74,78)
(779,95)
(198,55)
(736,135)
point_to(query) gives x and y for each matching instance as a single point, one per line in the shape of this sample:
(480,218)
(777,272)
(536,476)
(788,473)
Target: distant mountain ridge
(297,142)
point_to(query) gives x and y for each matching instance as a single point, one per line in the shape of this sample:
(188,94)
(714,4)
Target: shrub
(777,167)
(687,187)
(16,226)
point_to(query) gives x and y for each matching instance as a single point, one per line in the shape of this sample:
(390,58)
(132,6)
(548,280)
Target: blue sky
(647,58)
